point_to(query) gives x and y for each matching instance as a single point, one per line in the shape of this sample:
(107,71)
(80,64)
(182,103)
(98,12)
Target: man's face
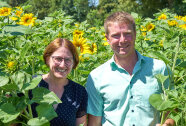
(121,38)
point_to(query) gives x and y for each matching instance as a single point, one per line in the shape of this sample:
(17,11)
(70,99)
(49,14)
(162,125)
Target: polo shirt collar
(115,66)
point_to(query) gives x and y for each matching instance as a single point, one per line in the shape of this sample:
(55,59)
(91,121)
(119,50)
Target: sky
(94,2)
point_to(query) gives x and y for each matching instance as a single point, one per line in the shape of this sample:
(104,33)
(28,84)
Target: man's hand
(168,122)
(163,124)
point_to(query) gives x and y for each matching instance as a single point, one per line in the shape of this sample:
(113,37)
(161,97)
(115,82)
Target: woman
(61,57)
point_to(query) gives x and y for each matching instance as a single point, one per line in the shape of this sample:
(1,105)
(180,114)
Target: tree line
(83,10)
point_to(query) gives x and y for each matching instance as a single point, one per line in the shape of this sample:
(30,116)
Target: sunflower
(105,43)
(146,39)
(27,19)
(150,27)
(183,26)
(19,11)
(77,25)
(162,17)
(10,66)
(172,23)
(78,32)
(144,33)
(93,28)
(13,18)
(93,48)
(178,17)
(80,43)
(5,11)
(143,28)
(161,43)
(183,18)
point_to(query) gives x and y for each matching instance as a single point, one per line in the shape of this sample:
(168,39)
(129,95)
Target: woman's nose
(62,64)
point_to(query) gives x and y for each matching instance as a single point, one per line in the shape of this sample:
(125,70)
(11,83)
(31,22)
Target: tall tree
(81,9)
(14,3)
(106,7)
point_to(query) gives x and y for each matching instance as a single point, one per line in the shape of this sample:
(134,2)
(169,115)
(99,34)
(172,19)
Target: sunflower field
(23,39)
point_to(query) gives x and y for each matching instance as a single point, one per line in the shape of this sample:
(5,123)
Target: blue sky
(94,2)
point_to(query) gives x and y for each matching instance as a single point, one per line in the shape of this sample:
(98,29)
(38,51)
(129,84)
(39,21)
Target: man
(118,90)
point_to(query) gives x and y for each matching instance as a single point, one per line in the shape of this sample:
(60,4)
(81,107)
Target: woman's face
(61,63)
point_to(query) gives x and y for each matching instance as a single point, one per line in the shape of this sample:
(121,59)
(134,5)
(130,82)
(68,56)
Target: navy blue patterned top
(74,104)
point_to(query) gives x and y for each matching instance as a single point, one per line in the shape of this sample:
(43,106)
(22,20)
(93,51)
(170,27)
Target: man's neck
(128,62)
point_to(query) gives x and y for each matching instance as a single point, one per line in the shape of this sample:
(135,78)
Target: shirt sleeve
(95,100)
(82,110)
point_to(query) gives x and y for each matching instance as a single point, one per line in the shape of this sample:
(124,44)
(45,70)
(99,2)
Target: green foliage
(42,7)
(3,4)
(13,106)
(21,58)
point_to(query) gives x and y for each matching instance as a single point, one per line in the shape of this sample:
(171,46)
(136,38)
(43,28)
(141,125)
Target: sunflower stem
(33,66)
(175,57)
(8,19)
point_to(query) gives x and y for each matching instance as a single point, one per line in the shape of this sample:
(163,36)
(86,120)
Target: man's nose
(122,38)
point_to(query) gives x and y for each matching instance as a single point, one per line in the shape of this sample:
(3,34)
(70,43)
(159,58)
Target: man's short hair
(119,17)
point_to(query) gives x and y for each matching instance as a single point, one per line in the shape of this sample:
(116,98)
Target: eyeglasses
(57,60)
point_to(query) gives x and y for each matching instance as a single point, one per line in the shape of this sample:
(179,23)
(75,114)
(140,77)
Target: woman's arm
(94,120)
(81,120)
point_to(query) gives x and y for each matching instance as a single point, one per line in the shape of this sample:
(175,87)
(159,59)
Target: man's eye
(128,34)
(115,36)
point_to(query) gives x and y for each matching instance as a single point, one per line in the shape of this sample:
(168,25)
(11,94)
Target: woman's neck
(55,82)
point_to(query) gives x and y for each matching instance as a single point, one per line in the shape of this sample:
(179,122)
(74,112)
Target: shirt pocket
(144,94)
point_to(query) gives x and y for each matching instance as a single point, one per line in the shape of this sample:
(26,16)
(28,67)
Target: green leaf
(17,29)
(3,80)
(43,95)
(155,100)
(35,81)
(38,122)
(24,51)
(161,78)
(19,78)
(8,113)
(134,15)
(167,105)
(81,124)
(46,111)
(183,64)
(3,4)
(159,55)
(176,116)
(49,19)
(10,87)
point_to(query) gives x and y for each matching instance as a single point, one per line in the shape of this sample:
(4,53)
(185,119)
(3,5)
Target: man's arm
(94,120)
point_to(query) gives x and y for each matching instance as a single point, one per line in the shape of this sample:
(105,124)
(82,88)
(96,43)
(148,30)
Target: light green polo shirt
(122,99)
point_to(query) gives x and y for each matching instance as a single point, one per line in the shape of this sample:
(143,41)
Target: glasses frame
(54,59)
